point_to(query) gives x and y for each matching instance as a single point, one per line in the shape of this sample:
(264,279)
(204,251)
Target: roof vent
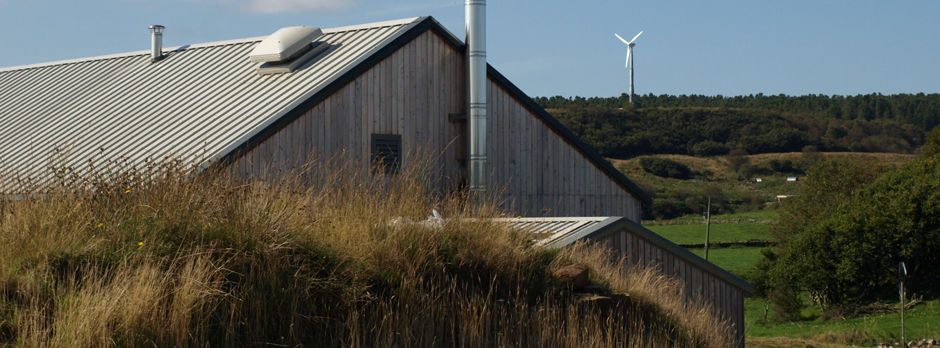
(285,44)
(286,49)
(291,64)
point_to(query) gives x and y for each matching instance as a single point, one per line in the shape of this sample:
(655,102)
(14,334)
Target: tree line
(920,109)
(712,131)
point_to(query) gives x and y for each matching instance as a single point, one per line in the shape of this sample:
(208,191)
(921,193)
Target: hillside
(163,257)
(732,181)
(920,109)
(708,131)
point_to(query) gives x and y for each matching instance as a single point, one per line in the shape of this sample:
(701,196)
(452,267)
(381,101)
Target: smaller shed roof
(557,232)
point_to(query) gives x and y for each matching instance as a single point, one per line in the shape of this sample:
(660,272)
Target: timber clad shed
(699,279)
(209,103)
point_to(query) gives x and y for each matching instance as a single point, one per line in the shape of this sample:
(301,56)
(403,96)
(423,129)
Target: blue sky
(551,47)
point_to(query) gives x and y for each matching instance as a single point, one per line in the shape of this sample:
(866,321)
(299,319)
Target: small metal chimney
(476,77)
(156,42)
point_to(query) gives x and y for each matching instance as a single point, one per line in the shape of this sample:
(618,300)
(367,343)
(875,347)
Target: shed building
(389,88)
(698,278)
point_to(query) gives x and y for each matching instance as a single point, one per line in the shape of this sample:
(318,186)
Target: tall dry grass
(163,256)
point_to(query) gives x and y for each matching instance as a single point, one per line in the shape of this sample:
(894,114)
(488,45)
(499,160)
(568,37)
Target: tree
(737,159)
(931,143)
(842,238)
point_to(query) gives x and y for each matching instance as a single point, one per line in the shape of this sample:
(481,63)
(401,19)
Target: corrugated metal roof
(198,104)
(557,231)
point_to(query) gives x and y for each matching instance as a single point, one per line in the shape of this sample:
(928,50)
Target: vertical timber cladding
(410,93)
(539,173)
(697,284)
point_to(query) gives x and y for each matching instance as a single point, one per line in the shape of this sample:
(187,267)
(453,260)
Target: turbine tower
(629,63)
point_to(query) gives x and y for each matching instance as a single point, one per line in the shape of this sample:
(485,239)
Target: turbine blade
(637,35)
(621,39)
(629,55)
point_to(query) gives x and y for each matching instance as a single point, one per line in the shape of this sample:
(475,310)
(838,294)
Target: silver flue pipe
(476,77)
(156,42)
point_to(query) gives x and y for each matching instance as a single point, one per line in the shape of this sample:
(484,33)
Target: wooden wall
(698,284)
(411,93)
(544,175)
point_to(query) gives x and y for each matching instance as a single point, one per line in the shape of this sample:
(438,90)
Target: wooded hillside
(707,126)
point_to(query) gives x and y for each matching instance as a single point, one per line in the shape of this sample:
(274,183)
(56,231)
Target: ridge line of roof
(372,25)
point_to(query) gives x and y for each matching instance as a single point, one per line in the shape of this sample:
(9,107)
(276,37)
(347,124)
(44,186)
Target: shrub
(709,148)
(665,208)
(842,239)
(784,166)
(931,143)
(737,159)
(666,168)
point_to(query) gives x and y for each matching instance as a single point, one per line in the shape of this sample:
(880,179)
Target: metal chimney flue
(156,42)
(476,77)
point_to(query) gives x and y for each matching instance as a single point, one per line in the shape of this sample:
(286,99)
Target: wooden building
(389,89)
(380,91)
(700,280)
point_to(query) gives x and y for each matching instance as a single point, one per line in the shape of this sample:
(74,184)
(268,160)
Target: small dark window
(386,152)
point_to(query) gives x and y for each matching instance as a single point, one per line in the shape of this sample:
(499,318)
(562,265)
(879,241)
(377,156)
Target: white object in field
(434,220)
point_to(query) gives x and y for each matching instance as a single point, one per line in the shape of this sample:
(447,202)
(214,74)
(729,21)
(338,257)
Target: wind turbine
(629,63)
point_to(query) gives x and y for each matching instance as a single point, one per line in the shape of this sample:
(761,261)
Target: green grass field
(921,321)
(740,261)
(695,234)
(760,215)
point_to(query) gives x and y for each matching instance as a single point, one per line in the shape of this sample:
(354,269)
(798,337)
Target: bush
(737,159)
(665,208)
(931,143)
(709,148)
(842,238)
(784,166)
(665,168)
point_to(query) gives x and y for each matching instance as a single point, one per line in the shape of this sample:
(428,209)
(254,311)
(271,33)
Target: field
(724,232)
(739,261)
(735,190)
(921,321)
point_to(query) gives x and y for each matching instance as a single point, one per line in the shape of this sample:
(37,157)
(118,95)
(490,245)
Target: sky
(550,47)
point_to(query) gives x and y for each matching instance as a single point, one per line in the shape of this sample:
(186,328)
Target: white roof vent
(285,44)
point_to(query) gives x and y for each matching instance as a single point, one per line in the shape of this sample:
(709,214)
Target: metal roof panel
(198,104)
